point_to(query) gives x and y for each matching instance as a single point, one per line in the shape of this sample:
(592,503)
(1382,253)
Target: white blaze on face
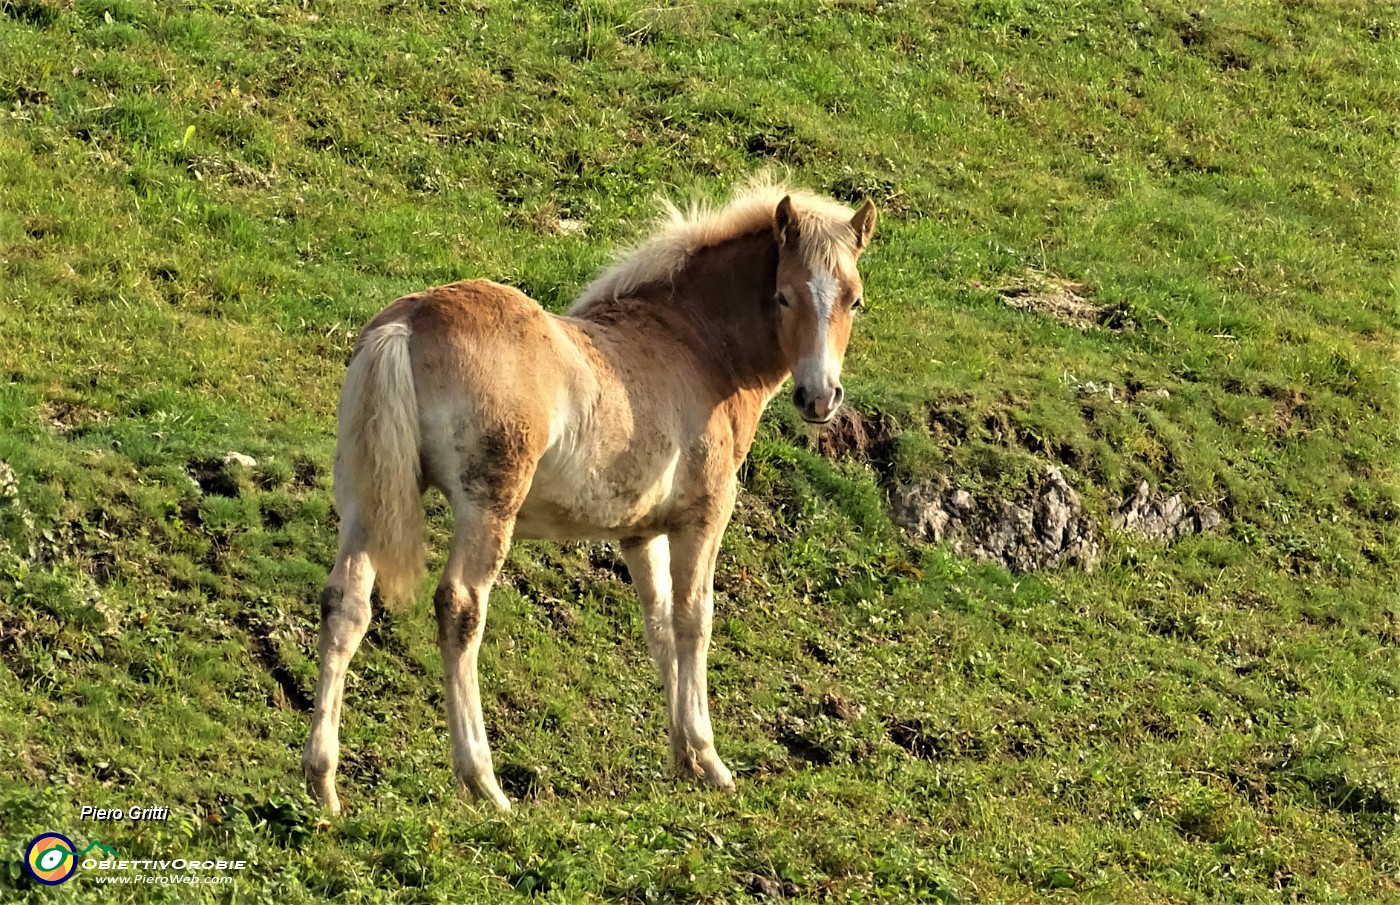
(817,371)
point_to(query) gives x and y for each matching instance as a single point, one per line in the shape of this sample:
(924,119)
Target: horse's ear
(863,223)
(785,222)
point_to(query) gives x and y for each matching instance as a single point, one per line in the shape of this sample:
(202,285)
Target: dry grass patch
(1065,300)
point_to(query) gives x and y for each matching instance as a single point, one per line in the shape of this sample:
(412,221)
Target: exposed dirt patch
(551,221)
(854,435)
(1191,31)
(226,169)
(756,512)
(791,736)
(1152,721)
(365,767)
(15,633)
(928,742)
(290,693)
(36,763)
(856,187)
(608,564)
(1064,300)
(1290,406)
(818,651)
(219,477)
(809,735)
(802,748)
(779,142)
(1048,527)
(1257,787)
(761,887)
(949,420)
(1199,37)
(520,782)
(1003,427)
(65,417)
(562,619)
(1203,822)
(262,645)
(1017,739)
(838,707)
(1348,796)
(31,12)
(306,472)
(275,514)
(1021,739)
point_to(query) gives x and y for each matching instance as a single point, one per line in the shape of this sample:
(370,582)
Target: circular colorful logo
(51,858)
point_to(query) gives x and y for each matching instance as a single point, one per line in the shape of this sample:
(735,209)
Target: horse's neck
(719,311)
(726,294)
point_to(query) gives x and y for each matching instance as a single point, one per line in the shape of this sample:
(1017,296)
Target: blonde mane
(827,237)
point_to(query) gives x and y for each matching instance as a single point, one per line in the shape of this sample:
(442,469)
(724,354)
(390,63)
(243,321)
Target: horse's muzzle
(819,407)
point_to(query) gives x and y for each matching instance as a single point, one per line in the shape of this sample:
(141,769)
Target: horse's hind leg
(345,615)
(479,546)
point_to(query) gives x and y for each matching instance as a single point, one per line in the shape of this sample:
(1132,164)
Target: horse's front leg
(693,553)
(649,563)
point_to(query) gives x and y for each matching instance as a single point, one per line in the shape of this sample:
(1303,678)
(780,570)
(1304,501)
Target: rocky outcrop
(1048,528)
(1042,525)
(1160,516)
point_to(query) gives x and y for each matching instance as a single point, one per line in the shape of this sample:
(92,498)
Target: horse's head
(818,294)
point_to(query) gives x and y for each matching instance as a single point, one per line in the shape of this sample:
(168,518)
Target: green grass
(200,204)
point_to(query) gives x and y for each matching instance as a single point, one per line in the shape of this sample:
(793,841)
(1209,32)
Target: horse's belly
(578,500)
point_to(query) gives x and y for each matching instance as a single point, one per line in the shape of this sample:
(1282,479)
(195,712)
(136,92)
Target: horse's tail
(377,466)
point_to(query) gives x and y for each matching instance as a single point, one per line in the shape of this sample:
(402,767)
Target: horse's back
(473,322)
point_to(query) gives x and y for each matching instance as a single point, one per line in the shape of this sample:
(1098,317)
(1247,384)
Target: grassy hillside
(200,203)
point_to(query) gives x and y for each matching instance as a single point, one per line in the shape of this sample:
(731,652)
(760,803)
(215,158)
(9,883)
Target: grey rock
(9,483)
(1161,516)
(1047,529)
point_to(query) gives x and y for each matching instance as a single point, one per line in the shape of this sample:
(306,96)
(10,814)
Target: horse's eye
(783,300)
(858,304)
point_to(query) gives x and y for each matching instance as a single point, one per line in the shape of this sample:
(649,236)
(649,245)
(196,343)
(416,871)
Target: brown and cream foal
(625,419)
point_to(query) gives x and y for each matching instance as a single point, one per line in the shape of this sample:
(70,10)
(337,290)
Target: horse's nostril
(799,397)
(836,396)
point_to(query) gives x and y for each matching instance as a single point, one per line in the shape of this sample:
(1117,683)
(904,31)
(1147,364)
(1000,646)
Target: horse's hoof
(706,769)
(321,787)
(324,795)
(488,790)
(717,775)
